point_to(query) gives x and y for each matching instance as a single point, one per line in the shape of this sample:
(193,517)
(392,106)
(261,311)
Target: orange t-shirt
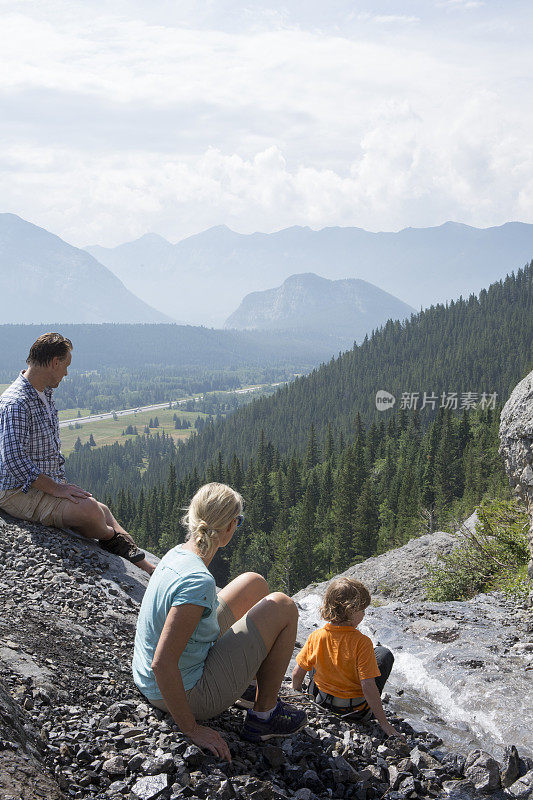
(342,657)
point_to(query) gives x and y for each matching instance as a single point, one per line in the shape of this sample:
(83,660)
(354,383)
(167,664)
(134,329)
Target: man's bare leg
(116,526)
(89,518)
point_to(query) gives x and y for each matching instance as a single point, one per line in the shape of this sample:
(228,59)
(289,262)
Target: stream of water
(455,672)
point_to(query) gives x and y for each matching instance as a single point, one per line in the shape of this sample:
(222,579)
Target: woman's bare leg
(244,592)
(276,618)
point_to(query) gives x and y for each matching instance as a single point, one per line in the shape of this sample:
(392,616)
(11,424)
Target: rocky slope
(347,308)
(73,725)
(400,573)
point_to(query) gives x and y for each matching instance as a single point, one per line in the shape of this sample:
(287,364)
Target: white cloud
(466,4)
(115,125)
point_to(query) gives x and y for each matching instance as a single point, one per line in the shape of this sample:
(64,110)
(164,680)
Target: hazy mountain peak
(152,238)
(45,279)
(346,308)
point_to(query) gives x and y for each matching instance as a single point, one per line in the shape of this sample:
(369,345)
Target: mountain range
(308,302)
(43,279)
(206,276)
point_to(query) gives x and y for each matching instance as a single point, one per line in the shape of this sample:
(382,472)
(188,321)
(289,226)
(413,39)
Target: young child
(349,674)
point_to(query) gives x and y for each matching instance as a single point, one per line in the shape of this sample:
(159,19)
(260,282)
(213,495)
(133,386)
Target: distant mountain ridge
(43,279)
(350,308)
(208,274)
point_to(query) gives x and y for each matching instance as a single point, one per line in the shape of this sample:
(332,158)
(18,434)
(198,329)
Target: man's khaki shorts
(229,668)
(34,506)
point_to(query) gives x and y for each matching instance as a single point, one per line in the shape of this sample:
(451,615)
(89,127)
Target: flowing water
(456,672)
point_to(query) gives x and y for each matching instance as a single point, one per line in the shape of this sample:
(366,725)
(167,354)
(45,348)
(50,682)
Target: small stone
(193,756)
(135,762)
(303,794)
(84,756)
(483,771)
(311,780)
(115,766)
(260,790)
(274,755)
(117,787)
(149,787)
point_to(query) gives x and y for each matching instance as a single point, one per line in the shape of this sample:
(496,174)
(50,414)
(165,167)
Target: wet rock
(484,772)
(460,790)
(511,767)
(423,760)
(523,787)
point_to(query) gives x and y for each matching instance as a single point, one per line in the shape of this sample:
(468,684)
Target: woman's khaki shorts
(229,667)
(34,506)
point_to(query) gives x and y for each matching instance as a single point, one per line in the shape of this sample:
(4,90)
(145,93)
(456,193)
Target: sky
(121,118)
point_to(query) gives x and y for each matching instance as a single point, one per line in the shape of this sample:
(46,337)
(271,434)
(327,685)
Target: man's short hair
(47,347)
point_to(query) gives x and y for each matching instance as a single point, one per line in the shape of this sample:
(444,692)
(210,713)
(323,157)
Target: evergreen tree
(311,453)
(367,523)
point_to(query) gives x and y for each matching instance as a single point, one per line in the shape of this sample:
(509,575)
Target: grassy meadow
(109,431)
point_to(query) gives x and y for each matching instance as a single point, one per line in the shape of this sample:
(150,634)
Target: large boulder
(516,446)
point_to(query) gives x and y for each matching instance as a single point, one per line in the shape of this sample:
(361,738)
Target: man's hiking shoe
(284,721)
(120,546)
(247,699)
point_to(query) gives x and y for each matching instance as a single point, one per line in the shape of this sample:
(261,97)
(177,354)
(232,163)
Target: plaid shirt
(29,439)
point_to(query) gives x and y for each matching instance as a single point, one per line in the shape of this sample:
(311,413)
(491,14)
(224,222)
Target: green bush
(494,556)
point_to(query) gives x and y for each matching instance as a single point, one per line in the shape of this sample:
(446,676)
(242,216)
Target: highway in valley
(129,411)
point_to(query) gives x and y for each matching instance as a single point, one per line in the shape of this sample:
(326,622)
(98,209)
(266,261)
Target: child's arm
(371,693)
(298,675)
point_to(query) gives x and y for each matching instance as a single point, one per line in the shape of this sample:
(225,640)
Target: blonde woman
(197,652)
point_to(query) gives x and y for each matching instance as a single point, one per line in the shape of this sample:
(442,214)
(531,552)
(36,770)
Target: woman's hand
(209,739)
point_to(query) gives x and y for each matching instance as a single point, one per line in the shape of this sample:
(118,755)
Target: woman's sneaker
(284,721)
(120,546)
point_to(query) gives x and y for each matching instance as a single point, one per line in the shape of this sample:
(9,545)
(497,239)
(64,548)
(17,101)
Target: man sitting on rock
(32,476)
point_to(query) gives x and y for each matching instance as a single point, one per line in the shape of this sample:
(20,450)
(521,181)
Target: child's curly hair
(343,597)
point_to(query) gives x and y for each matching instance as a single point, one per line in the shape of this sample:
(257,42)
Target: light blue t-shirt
(180,577)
